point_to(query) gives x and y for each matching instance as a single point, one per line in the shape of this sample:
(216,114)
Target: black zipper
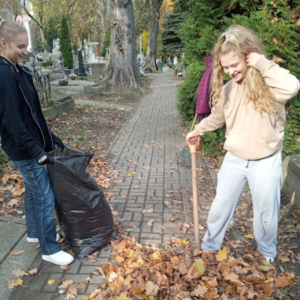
(37,122)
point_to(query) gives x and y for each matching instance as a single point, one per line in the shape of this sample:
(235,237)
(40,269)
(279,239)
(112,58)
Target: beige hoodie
(252,135)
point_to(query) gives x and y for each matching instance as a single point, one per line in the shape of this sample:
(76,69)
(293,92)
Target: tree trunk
(150,64)
(123,68)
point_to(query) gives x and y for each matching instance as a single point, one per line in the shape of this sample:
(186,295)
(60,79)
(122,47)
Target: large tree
(150,63)
(123,68)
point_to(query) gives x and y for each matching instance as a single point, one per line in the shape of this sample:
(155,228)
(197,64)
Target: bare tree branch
(23,4)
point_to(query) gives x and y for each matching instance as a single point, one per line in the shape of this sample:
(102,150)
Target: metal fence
(42,84)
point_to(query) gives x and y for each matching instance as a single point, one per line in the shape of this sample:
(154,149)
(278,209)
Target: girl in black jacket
(26,139)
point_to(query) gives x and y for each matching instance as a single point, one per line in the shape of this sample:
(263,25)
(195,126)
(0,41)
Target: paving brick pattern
(145,154)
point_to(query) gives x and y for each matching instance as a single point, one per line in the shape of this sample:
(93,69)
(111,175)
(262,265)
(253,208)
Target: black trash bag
(84,215)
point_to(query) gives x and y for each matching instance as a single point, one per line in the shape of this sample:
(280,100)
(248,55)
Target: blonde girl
(251,105)
(26,139)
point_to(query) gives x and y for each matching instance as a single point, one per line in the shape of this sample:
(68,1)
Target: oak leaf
(12,283)
(283,281)
(151,288)
(199,291)
(18,272)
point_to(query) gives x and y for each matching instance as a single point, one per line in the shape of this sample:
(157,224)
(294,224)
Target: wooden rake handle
(193,143)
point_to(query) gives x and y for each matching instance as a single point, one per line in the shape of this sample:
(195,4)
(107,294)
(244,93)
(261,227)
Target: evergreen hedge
(65,44)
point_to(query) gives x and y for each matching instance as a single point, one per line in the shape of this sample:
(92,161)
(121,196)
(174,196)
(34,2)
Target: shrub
(4,160)
(65,44)
(103,52)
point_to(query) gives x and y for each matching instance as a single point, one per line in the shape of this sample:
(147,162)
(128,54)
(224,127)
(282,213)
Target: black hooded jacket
(23,128)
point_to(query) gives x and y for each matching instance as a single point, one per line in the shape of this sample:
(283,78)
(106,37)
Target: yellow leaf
(222,254)
(146,167)
(51,281)
(249,236)
(19,282)
(156,255)
(18,191)
(130,174)
(119,259)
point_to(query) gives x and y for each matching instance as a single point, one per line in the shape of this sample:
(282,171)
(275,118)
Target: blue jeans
(39,205)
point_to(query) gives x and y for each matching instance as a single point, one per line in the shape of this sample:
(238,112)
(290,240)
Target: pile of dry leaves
(175,271)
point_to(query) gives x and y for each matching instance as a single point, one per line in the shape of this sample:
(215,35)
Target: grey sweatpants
(264,178)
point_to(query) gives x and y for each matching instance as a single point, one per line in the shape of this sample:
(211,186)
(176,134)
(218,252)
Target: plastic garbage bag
(83,212)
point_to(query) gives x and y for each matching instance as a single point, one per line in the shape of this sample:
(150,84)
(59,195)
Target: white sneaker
(36,240)
(60,258)
(269,259)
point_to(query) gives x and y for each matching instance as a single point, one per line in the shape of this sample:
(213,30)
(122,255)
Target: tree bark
(123,68)
(150,63)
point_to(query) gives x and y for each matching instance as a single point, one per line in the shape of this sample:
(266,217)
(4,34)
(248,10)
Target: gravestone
(81,69)
(57,59)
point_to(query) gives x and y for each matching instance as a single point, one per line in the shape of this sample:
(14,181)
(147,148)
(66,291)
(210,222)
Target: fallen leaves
(13,283)
(174,272)
(19,273)
(102,172)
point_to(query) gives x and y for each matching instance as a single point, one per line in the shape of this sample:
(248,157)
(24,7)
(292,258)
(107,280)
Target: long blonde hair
(241,40)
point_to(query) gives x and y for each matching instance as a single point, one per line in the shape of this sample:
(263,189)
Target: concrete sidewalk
(145,154)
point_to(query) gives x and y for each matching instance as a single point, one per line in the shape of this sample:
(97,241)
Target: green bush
(103,52)
(291,144)
(4,160)
(49,61)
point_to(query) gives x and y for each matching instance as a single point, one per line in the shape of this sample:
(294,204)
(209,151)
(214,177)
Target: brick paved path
(145,154)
